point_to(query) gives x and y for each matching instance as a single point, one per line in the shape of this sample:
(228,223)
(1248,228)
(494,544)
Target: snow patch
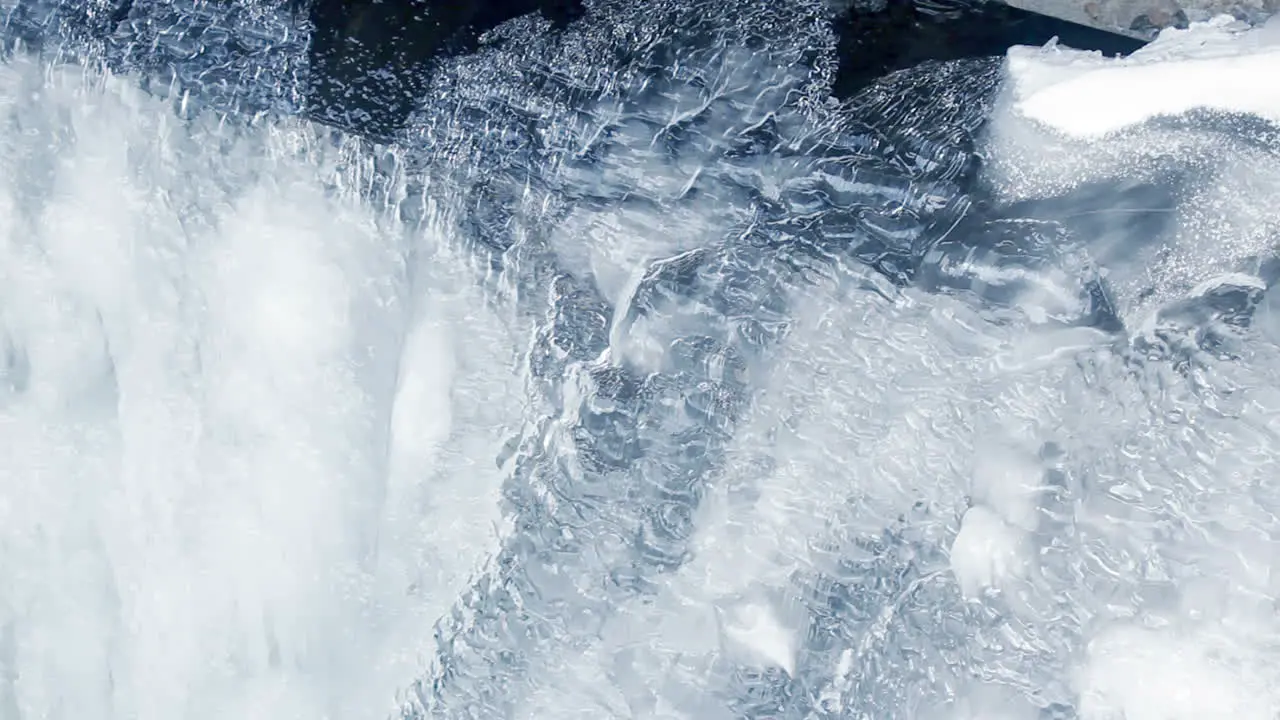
(1219,65)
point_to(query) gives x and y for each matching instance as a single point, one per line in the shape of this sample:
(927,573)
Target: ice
(1269,315)
(239,474)
(1148,674)
(1008,481)
(755,628)
(641,383)
(1219,65)
(986,551)
(1168,199)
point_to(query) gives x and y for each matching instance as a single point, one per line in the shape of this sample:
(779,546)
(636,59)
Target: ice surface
(240,431)
(1219,65)
(641,383)
(1170,200)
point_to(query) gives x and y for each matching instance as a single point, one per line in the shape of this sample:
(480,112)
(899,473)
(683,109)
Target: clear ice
(637,379)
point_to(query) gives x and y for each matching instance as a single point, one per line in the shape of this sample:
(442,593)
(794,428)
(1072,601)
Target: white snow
(1217,65)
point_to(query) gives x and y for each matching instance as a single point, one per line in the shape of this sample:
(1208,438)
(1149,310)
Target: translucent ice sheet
(638,380)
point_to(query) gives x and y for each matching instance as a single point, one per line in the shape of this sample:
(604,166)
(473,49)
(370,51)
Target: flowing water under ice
(637,379)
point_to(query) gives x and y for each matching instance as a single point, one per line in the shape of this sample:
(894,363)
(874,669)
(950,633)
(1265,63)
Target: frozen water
(1170,199)
(241,414)
(638,380)
(1222,65)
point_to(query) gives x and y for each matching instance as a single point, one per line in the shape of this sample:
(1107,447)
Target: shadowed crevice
(369,59)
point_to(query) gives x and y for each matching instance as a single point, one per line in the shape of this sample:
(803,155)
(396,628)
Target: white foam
(227,491)
(1215,65)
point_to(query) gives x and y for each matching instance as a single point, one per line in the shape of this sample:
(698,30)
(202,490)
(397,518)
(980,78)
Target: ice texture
(638,379)
(1221,65)
(240,409)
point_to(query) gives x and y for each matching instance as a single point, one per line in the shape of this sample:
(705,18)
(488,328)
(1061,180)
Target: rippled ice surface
(638,381)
